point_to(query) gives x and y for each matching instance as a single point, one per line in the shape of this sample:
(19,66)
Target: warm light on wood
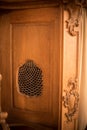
(0,77)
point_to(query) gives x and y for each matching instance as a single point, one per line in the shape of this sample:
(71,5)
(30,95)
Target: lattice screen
(30,79)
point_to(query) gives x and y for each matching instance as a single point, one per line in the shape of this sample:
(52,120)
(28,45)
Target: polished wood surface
(26,4)
(32,34)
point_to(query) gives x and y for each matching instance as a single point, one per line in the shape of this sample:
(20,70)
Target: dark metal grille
(30,79)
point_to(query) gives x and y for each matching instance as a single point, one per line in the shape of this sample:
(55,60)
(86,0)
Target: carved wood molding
(27,4)
(24,4)
(76,2)
(75,13)
(71,99)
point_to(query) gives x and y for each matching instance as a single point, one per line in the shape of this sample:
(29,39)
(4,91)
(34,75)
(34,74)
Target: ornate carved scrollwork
(71,98)
(75,12)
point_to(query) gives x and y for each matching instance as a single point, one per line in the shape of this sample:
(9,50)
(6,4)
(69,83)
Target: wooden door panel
(36,49)
(32,35)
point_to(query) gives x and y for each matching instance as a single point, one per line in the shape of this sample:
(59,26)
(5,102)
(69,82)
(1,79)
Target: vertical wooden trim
(71,120)
(11,65)
(61,70)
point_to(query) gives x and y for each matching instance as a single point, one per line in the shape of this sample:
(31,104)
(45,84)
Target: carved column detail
(75,12)
(71,98)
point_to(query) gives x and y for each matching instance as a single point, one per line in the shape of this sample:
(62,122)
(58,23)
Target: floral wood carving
(75,12)
(71,99)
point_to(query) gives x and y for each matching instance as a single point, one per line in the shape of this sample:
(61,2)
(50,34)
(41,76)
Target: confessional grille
(30,79)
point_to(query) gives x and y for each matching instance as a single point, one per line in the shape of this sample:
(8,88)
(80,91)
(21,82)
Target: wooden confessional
(39,57)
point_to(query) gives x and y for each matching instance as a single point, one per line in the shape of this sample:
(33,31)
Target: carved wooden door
(30,63)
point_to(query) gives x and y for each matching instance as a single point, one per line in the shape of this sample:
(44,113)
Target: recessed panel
(32,41)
